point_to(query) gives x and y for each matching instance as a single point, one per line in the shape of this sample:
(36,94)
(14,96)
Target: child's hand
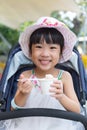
(57,89)
(24,85)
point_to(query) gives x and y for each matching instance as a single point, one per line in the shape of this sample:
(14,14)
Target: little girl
(47,43)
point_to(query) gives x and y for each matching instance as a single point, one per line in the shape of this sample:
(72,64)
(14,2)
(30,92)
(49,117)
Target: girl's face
(45,56)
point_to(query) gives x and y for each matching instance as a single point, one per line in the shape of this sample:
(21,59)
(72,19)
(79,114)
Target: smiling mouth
(45,62)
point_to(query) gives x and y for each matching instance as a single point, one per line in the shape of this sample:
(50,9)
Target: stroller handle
(55,113)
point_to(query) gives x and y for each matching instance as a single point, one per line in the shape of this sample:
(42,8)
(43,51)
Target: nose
(45,52)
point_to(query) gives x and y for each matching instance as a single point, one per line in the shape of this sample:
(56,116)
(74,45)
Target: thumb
(22,76)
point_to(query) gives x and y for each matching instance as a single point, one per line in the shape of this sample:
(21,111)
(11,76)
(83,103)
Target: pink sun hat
(49,22)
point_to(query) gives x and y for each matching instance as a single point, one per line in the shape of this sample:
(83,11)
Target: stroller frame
(5,112)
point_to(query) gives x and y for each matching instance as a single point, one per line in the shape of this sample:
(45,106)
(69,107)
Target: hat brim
(69,40)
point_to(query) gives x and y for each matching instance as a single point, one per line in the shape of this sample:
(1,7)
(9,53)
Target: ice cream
(49,76)
(45,83)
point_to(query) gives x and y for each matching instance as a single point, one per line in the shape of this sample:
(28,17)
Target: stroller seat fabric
(16,64)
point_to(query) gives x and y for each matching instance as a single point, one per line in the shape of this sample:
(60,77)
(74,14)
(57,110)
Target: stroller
(17,63)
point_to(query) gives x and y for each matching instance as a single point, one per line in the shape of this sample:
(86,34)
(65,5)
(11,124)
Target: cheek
(57,54)
(32,52)
(34,56)
(57,57)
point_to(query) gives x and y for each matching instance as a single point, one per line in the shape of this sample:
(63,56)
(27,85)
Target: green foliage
(10,34)
(82,4)
(24,25)
(3,48)
(75,24)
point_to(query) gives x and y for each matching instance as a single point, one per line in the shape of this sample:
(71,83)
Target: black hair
(50,35)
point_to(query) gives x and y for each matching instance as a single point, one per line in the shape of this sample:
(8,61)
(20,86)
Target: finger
(56,91)
(22,78)
(25,88)
(56,85)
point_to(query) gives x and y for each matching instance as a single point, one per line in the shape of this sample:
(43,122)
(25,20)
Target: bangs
(50,35)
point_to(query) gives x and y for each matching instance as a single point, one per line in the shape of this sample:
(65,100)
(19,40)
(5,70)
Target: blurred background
(16,15)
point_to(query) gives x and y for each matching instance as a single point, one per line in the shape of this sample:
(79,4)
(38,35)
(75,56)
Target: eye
(53,47)
(38,46)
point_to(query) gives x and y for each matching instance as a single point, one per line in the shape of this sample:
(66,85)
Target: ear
(30,55)
(60,55)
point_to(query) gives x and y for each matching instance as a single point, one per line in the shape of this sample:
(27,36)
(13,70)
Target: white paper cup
(45,85)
